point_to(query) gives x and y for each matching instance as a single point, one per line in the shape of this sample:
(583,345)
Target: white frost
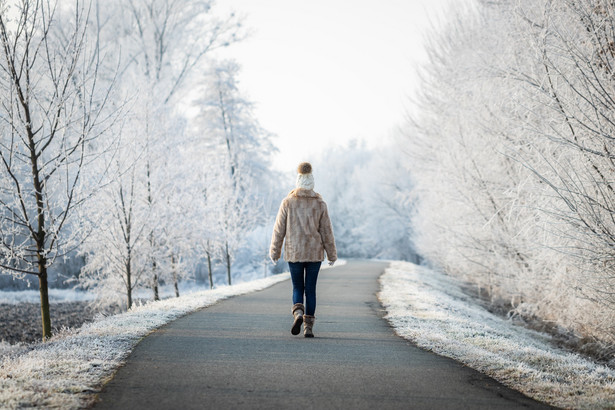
(55,296)
(430,309)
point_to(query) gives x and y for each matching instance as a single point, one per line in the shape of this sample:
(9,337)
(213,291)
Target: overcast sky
(324,72)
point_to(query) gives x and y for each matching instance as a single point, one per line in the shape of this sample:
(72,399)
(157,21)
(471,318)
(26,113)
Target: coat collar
(304,193)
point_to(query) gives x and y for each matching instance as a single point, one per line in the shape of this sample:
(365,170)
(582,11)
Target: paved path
(239,354)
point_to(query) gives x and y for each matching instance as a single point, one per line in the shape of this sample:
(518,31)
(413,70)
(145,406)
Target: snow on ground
(55,296)
(69,370)
(430,309)
(74,295)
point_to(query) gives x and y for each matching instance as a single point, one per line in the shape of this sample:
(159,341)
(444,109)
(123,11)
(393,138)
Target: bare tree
(115,246)
(239,148)
(51,111)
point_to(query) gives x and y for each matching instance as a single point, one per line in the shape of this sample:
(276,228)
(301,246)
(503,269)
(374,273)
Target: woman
(304,221)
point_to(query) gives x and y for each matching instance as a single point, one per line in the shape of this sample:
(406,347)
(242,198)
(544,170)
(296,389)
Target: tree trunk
(155,281)
(175,280)
(150,201)
(155,285)
(128,284)
(44,291)
(228,264)
(40,236)
(211,276)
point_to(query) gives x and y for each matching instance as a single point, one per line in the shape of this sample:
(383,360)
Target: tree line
(124,140)
(512,157)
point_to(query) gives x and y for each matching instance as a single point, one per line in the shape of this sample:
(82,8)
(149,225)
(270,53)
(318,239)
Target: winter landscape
(467,146)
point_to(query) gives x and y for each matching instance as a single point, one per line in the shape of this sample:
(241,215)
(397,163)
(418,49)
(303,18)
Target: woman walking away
(304,221)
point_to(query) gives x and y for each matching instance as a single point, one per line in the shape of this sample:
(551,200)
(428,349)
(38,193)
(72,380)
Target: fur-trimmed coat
(304,221)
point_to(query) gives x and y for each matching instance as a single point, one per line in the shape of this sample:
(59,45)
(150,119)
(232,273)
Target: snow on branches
(53,112)
(513,158)
(102,152)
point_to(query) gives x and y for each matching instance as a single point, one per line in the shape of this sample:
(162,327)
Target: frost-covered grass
(69,370)
(430,309)
(55,296)
(74,295)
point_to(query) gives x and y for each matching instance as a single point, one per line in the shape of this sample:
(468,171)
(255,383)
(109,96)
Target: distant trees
(512,157)
(184,191)
(177,187)
(52,119)
(369,197)
(168,40)
(161,43)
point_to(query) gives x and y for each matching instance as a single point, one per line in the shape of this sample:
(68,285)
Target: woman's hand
(331,263)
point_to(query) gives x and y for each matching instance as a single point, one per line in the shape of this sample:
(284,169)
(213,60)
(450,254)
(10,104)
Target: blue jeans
(304,276)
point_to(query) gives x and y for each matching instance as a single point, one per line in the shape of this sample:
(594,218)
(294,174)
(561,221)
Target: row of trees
(124,140)
(513,157)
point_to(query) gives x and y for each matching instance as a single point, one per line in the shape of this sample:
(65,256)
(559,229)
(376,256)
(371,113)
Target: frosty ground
(431,309)
(20,311)
(21,322)
(424,306)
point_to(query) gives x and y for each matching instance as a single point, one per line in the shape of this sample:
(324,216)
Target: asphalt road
(240,354)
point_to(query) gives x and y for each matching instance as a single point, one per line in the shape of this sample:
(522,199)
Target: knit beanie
(305,179)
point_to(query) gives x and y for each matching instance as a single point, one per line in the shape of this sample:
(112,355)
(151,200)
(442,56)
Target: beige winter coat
(304,221)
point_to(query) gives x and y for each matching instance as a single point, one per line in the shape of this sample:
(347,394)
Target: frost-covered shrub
(512,157)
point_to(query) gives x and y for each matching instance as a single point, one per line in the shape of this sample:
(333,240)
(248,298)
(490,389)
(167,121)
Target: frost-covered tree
(461,188)
(511,154)
(115,244)
(238,149)
(176,220)
(52,110)
(575,45)
(369,200)
(160,44)
(168,40)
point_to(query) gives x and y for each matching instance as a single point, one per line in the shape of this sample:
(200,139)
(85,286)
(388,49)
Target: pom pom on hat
(304,168)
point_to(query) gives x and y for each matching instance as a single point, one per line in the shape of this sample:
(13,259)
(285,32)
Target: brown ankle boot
(307,325)
(297,311)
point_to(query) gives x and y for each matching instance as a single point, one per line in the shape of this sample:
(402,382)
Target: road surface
(239,354)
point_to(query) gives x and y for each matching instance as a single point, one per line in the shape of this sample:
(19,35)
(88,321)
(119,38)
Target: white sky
(323,72)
